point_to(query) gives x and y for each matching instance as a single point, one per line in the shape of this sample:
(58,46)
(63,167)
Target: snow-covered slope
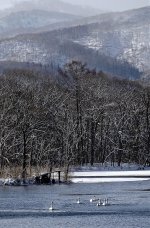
(108,173)
(124,36)
(116,43)
(59,48)
(52,6)
(28,21)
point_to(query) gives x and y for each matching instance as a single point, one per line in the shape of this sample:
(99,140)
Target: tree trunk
(24,165)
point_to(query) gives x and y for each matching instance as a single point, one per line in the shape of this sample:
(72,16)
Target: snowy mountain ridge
(52,6)
(28,21)
(116,43)
(124,36)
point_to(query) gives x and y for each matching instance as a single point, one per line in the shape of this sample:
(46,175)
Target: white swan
(99,203)
(78,201)
(51,207)
(93,199)
(105,203)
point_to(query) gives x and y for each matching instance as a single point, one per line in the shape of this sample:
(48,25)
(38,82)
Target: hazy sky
(114,5)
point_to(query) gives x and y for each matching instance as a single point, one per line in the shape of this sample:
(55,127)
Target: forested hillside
(116,43)
(97,119)
(29,21)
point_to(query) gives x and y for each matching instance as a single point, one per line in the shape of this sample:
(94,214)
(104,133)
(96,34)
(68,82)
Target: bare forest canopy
(95,119)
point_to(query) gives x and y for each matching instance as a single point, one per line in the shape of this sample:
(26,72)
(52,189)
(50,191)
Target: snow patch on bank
(106,180)
(107,173)
(138,173)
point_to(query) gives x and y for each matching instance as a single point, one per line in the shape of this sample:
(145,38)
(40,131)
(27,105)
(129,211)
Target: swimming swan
(78,201)
(93,199)
(105,203)
(99,203)
(51,207)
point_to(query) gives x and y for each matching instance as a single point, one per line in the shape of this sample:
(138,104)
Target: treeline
(94,119)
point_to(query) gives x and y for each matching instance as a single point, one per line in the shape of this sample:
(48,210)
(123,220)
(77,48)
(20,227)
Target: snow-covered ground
(105,180)
(14,182)
(111,176)
(107,173)
(98,174)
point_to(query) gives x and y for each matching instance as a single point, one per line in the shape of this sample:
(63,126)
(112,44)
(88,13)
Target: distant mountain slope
(37,16)
(47,48)
(27,21)
(116,43)
(124,36)
(52,6)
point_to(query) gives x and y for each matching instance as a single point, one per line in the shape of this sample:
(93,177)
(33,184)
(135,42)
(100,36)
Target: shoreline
(92,175)
(109,176)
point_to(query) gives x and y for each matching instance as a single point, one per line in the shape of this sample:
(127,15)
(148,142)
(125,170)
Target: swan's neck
(52,205)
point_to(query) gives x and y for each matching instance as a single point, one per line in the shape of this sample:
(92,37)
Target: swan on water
(52,206)
(105,202)
(78,201)
(99,203)
(93,199)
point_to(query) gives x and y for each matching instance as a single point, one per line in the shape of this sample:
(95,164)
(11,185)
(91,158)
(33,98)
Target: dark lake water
(22,207)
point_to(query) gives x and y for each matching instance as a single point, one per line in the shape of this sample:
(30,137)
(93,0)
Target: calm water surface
(22,207)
